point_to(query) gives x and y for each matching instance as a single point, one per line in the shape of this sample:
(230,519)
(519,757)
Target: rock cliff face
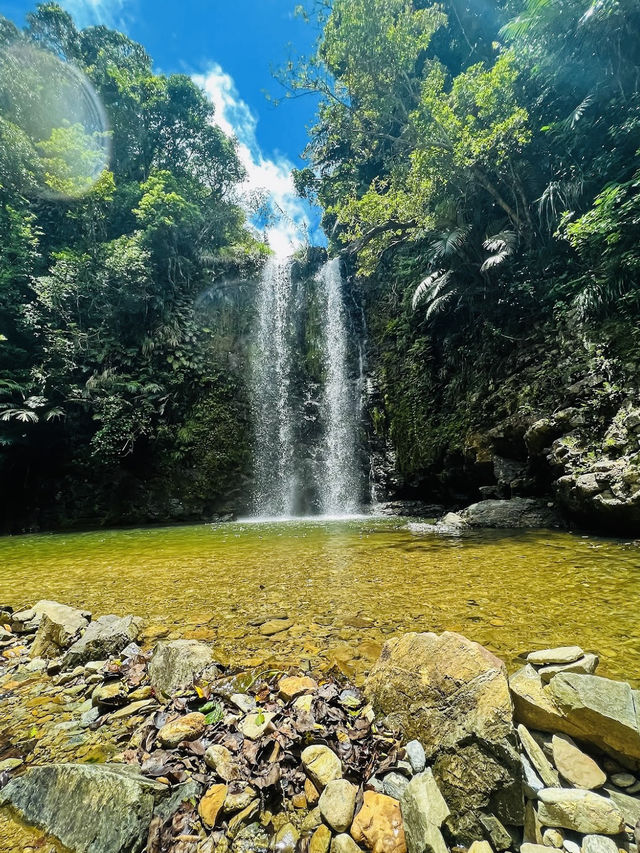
(554,416)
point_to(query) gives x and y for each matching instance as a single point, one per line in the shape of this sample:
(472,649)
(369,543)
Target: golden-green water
(345,586)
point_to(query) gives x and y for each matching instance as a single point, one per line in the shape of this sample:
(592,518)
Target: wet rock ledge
(440,751)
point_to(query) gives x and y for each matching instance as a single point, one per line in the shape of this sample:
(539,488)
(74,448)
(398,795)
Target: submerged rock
(175,664)
(452,695)
(93,808)
(107,636)
(561,654)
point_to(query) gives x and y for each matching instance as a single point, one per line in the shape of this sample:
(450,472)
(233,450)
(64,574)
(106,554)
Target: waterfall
(340,475)
(297,469)
(274,449)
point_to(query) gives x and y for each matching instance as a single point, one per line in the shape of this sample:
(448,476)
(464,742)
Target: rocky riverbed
(108,747)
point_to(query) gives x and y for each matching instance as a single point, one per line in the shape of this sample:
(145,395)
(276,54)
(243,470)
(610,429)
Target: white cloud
(89,13)
(271,176)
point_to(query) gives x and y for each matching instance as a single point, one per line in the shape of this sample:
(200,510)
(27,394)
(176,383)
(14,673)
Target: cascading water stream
(340,476)
(323,474)
(274,450)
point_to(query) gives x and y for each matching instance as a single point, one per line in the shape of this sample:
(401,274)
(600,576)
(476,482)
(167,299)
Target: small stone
(142,706)
(243,702)
(532,783)
(416,756)
(10,764)
(94,666)
(311,793)
(321,765)
(570,846)
(211,803)
(286,839)
(423,813)
(337,803)
(245,816)
(623,780)
(220,759)
(111,694)
(256,724)
(378,824)
(598,844)
(299,801)
(538,758)
(237,800)
(344,844)
(174,665)
(320,840)
(145,692)
(393,784)
(553,838)
(561,654)
(586,665)
(527,847)
(189,727)
(480,847)
(89,717)
(291,686)
(532,833)
(577,768)
(274,626)
(579,810)
(312,820)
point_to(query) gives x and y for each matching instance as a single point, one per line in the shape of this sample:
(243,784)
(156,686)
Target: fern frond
(440,305)
(450,242)
(23,415)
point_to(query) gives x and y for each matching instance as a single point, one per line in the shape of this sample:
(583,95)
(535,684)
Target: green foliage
(108,352)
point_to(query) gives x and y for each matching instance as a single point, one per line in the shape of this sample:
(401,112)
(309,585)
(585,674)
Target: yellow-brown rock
(311,792)
(211,803)
(189,727)
(378,824)
(452,695)
(320,840)
(292,685)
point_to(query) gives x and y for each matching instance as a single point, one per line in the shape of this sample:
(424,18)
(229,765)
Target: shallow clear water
(345,585)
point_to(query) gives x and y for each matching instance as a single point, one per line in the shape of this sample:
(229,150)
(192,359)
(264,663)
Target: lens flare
(53,118)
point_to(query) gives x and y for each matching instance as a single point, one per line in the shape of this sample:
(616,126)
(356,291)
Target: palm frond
(575,115)
(501,245)
(450,242)
(441,303)
(54,414)
(23,415)
(430,287)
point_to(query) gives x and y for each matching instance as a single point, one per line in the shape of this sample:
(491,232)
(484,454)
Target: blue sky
(229,47)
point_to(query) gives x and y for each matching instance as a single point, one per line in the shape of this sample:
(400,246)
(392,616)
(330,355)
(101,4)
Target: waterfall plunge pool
(345,586)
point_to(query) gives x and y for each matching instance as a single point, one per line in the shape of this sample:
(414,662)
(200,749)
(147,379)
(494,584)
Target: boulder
(337,803)
(175,664)
(591,708)
(423,813)
(574,765)
(321,765)
(378,824)
(107,636)
(452,695)
(95,808)
(58,628)
(513,513)
(579,810)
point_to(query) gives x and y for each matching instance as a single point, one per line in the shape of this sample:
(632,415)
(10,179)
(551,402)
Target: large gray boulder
(453,696)
(588,707)
(105,637)
(90,808)
(513,513)
(59,625)
(175,664)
